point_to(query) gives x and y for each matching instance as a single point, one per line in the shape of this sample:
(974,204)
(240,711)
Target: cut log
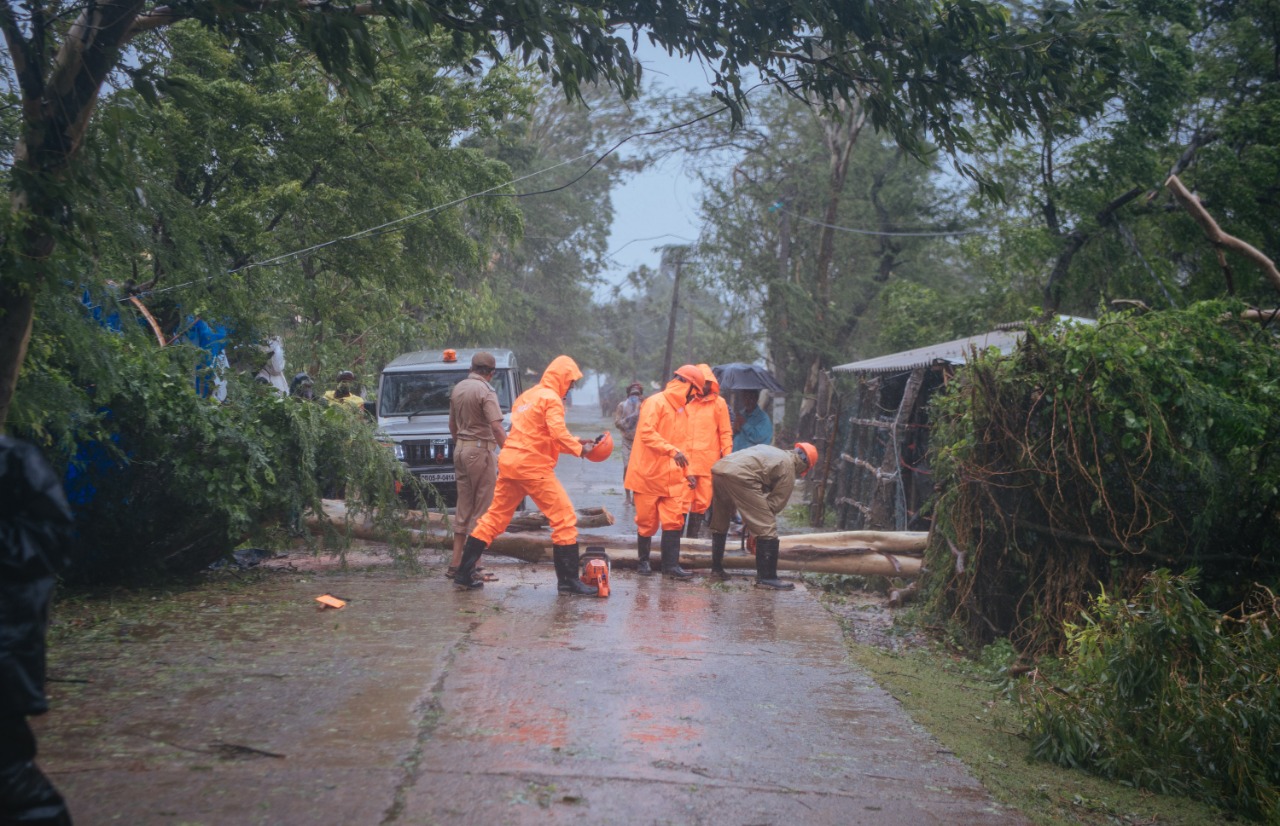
(337,515)
(848,563)
(587,518)
(860,553)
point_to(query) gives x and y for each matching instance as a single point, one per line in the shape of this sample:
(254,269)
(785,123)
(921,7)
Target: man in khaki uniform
(757,482)
(475,421)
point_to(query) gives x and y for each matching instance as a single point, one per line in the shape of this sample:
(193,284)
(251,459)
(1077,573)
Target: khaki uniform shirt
(473,405)
(757,482)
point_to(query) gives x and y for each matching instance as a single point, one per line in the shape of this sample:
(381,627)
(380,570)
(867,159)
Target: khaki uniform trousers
(477,469)
(746,495)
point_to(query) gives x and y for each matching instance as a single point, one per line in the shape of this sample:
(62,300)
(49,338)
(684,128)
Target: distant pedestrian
(35,521)
(527,467)
(757,482)
(751,425)
(475,422)
(710,439)
(345,391)
(659,474)
(626,416)
(273,370)
(302,387)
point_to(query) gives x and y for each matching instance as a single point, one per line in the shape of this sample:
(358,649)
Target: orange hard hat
(692,375)
(810,453)
(602,448)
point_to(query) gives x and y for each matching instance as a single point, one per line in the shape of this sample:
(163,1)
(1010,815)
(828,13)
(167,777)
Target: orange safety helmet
(692,375)
(810,453)
(602,449)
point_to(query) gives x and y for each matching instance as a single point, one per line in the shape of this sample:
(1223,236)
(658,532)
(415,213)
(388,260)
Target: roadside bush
(1095,454)
(164,482)
(1163,692)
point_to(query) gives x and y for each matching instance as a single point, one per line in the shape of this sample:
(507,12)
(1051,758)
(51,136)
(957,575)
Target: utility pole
(676,256)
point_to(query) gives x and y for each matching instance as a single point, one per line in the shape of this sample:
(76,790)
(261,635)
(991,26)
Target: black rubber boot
(671,556)
(694,526)
(643,544)
(27,797)
(767,565)
(718,541)
(465,576)
(567,580)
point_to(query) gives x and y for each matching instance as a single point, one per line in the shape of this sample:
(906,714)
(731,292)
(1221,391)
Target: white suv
(413,408)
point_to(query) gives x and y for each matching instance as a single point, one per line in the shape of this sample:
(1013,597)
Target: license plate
(438,476)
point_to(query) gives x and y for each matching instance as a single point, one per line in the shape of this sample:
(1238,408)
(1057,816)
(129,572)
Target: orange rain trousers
(547,493)
(699,499)
(655,512)
(526,466)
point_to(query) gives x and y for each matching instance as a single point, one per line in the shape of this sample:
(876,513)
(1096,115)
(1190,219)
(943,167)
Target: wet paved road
(679,703)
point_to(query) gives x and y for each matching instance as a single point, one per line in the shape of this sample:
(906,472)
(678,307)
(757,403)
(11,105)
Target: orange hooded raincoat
(659,484)
(710,439)
(527,464)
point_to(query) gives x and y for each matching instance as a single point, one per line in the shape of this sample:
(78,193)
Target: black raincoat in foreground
(35,522)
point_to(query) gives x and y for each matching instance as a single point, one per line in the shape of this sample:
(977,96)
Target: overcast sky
(659,206)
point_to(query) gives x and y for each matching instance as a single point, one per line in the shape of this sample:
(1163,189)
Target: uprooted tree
(920,69)
(1094,454)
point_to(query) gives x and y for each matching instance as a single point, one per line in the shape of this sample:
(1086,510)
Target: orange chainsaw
(595,569)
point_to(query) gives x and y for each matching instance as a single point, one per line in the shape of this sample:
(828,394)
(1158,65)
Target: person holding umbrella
(751,425)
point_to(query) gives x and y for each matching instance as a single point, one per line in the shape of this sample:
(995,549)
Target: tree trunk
(58,99)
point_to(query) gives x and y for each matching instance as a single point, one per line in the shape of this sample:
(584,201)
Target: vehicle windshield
(427,393)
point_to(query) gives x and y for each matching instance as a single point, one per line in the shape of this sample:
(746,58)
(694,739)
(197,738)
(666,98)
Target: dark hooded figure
(34,529)
(302,386)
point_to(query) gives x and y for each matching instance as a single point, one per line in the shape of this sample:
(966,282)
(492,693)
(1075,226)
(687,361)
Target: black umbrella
(740,376)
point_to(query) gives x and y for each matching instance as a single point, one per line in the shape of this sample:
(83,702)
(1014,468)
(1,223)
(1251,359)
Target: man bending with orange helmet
(526,467)
(659,473)
(757,482)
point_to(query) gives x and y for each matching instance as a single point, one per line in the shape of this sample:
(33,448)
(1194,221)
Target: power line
(905,233)
(397,223)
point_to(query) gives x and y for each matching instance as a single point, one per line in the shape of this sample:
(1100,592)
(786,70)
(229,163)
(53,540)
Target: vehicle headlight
(397,449)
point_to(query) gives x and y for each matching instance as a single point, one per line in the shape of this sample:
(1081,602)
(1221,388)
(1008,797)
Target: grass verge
(957,702)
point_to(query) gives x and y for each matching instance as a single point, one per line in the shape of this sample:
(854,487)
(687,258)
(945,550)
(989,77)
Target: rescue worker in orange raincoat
(526,467)
(659,473)
(710,439)
(757,482)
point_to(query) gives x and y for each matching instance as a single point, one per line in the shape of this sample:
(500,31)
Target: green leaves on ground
(1164,693)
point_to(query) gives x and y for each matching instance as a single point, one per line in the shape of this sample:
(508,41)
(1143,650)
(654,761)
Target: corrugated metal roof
(951,352)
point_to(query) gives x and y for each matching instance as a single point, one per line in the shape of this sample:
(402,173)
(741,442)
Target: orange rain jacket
(662,431)
(710,430)
(538,433)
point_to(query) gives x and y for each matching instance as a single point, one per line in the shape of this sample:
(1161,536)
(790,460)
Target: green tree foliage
(1160,691)
(776,235)
(539,288)
(631,330)
(165,482)
(922,69)
(1094,454)
(1088,221)
(227,168)
(213,188)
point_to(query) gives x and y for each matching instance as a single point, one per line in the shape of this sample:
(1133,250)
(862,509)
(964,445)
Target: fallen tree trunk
(852,553)
(587,518)
(362,526)
(847,562)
